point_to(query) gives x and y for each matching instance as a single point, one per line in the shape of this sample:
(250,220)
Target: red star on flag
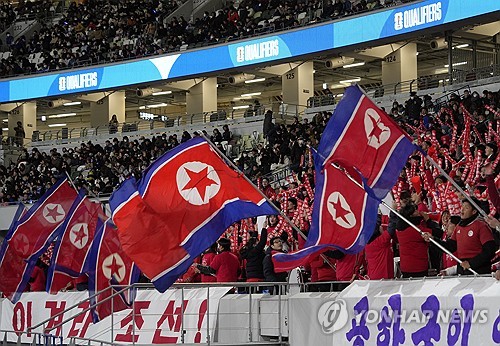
(22,244)
(200,181)
(53,213)
(376,131)
(114,268)
(340,212)
(79,234)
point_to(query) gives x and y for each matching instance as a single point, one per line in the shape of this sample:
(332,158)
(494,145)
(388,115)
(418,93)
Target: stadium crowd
(98,31)
(461,135)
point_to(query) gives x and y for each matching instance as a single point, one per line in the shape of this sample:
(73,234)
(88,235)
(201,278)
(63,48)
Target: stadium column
(102,110)
(297,86)
(26,114)
(201,98)
(400,66)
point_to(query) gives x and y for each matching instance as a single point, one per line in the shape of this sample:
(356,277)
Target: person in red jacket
(225,265)
(472,240)
(349,267)
(413,250)
(322,271)
(206,260)
(380,255)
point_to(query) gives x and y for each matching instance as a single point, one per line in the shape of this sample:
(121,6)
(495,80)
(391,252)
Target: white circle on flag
(79,235)
(53,213)
(340,210)
(197,182)
(376,132)
(114,267)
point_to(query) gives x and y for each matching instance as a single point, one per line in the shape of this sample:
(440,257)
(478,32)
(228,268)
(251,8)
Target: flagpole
(432,240)
(283,215)
(454,183)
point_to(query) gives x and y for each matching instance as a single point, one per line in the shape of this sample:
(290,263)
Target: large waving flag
(107,265)
(361,137)
(36,229)
(365,142)
(75,236)
(344,218)
(13,268)
(181,206)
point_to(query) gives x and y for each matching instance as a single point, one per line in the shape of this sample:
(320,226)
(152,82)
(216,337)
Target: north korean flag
(181,206)
(75,236)
(344,218)
(37,229)
(107,265)
(361,137)
(14,270)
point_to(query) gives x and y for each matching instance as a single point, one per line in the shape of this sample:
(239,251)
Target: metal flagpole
(454,183)
(283,215)
(407,221)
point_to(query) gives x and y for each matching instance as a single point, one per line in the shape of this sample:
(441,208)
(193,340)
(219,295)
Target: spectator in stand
(448,261)
(322,270)
(225,266)
(113,124)
(38,278)
(413,108)
(253,254)
(270,275)
(268,189)
(413,252)
(226,134)
(350,267)
(472,240)
(379,254)
(206,259)
(216,137)
(19,133)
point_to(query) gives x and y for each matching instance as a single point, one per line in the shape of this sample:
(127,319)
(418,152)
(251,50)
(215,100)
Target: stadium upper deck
(167,79)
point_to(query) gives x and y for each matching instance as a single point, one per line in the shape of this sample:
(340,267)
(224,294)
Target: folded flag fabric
(37,228)
(344,217)
(13,268)
(75,236)
(182,205)
(109,270)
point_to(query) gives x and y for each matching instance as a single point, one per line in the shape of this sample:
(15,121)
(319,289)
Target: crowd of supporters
(98,31)
(461,135)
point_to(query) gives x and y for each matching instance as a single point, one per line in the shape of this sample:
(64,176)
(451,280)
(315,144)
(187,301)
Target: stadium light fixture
(256,80)
(75,103)
(465,45)
(457,64)
(57,125)
(348,81)
(5,129)
(251,94)
(158,93)
(63,115)
(241,107)
(356,64)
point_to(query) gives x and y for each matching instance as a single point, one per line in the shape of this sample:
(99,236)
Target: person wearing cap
(225,266)
(472,241)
